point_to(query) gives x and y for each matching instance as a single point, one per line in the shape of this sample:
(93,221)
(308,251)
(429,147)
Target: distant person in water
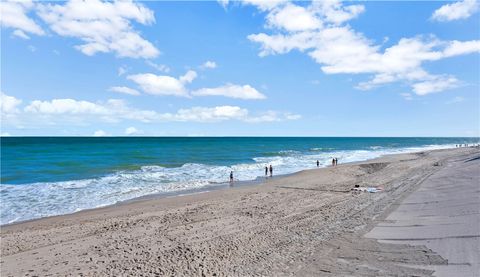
(333,162)
(318,163)
(231,176)
(266,171)
(336,161)
(271,171)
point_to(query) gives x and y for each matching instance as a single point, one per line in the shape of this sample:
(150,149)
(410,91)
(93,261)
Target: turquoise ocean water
(44,176)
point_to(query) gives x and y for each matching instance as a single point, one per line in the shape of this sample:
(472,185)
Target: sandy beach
(306,224)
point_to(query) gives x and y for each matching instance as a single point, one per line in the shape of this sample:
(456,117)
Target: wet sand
(306,224)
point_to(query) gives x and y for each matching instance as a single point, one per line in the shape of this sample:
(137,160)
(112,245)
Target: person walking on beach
(318,163)
(266,171)
(271,171)
(231,176)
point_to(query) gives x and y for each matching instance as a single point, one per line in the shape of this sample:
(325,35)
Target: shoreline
(291,225)
(214,187)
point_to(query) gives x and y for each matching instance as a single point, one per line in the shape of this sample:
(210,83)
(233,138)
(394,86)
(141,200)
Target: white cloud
(14,15)
(436,84)
(341,50)
(159,67)
(112,110)
(232,91)
(125,90)
(265,5)
(205,114)
(209,64)
(116,110)
(9,104)
(71,112)
(65,106)
(456,48)
(222,113)
(188,77)
(333,12)
(273,116)
(455,11)
(100,133)
(161,84)
(132,131)
(20,34)
(292,18)
(102,26)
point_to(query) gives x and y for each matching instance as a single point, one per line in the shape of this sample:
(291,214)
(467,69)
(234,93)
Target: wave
(35,200)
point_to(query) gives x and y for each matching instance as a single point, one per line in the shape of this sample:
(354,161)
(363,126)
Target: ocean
(45,176)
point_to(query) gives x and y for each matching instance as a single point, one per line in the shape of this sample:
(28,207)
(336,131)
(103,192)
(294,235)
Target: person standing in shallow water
(333,162)
(231,176)
(266,171)
(271,171)
(318,163)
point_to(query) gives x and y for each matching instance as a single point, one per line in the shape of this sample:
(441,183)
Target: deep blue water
(42,176)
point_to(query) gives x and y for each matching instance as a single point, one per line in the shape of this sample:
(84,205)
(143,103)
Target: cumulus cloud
(100,133)
(207,114)
(209,64)
(65,106)
(130,131)
(81,112)
(103,26)
(293,18)
(436,84)
(188,77)
(232,91)
(125,90)
(334,12)
(273,116)
(265,5)
(162,84)
(167,85)
(456,48)
(222,113)
(341,50)
(9,104)
(14,15)
(455,11)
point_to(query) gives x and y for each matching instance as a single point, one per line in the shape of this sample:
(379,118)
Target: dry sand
(307,224)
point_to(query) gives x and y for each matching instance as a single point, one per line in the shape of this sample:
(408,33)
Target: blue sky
(249,68)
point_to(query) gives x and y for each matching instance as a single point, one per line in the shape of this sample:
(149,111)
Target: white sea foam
(28,201)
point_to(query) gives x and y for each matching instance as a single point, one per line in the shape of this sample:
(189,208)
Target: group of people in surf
(269,169)
(334,161)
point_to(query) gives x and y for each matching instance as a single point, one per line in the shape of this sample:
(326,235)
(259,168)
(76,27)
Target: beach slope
(306,224)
